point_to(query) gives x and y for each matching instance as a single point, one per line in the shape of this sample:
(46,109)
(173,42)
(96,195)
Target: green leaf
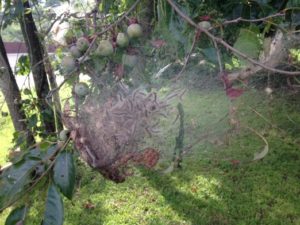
(27,11)
(64,173)
(44,145)
(248,43)
(210,54)
(23,65)
(14,181)
(17,178)
(106,5)
(129,3)
(16,216)
(54,212)
(32,121)
(27,91)
(26,102)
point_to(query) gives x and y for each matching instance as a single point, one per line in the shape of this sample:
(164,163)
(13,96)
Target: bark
(36,56)
(12,96)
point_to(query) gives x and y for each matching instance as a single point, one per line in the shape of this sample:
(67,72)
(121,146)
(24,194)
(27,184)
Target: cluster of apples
(104,47)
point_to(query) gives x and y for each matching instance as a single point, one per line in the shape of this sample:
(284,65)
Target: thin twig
(94,13)
(60,17)
(188,56)
(266,120)
(57,88)
(240,19)
(219,57)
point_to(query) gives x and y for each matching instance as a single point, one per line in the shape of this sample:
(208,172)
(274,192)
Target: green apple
(105,48)
(75,52)
(122,40)
(82,44)
(63,135)
(134,30)
(68,63)
(129,60)
(81,89)
(204,25)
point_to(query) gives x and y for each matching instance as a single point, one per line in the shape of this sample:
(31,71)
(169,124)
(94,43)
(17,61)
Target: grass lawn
(218,183)
(6,134)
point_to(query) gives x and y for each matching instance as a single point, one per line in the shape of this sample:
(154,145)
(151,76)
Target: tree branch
(240,19)
(229,47)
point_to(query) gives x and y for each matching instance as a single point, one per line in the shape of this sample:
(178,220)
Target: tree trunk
(36,55)
(12,96)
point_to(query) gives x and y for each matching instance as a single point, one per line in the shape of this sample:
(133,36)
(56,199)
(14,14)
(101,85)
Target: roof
(20,47)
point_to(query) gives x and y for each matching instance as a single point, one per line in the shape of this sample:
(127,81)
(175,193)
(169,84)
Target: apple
(68,63)
(105,48)
(134,30)
(81,89)
(63,135)
(122,40)
(82,44)
(75,52)
(129,60)
(204,25)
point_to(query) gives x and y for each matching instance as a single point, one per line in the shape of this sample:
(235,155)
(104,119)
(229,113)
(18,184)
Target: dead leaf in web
(162,70)
(89,205)
(170,169)
(158,43)
(262,154)
(234,93)
(231,92)
(119,71)
(235,162)
(205,18)
(67,107)
(224,77)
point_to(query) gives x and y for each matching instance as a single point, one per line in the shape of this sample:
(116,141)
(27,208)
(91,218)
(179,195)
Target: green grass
(209,189)
(6,136)
(6,133)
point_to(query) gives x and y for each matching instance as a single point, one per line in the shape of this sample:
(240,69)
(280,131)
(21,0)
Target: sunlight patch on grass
(6,135)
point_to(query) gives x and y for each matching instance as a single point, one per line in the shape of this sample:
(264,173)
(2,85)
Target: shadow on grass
(195,210)
(85,208)
(264,192)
